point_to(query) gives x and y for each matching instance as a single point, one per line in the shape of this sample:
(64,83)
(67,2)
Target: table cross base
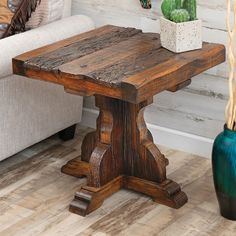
(121,154)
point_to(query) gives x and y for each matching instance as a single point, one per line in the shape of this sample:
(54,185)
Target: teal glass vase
(224,172)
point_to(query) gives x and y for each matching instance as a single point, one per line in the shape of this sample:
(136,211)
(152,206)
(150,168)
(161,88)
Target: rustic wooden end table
(124,68)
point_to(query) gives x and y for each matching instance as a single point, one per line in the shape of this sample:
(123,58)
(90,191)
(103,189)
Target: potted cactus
(180,29)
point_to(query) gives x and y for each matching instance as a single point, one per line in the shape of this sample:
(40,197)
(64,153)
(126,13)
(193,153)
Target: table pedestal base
(121,154)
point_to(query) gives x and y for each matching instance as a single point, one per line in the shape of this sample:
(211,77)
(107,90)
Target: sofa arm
(17,44)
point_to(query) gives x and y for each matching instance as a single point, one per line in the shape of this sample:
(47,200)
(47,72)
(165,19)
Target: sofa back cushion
(14,14)
(67,8)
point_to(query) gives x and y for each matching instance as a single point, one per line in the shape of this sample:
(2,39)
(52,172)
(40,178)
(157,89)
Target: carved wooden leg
(79,167)
(121,154)
(146,171)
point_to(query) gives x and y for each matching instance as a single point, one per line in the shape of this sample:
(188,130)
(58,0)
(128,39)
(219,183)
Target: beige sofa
(33,110)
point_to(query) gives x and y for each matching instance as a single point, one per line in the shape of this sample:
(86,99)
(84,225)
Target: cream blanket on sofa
(48,11)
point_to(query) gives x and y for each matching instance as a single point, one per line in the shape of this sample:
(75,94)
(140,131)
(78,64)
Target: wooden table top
(119,62)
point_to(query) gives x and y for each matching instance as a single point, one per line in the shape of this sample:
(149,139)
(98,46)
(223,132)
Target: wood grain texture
(34,197)
(122,63)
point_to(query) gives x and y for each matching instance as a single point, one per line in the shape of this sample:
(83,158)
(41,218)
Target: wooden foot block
(76,168)
(167,193)
(180,86)
(89,199)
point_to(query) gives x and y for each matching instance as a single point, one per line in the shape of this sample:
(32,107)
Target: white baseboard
(174,139)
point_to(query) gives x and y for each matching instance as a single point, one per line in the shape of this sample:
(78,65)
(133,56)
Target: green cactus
(179,10)
(167,7)
(179,15)
(178,4)
(191,7)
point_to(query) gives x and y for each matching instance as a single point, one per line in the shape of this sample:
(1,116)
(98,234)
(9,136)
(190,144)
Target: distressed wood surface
(122,63)
(130,13)
(34,197)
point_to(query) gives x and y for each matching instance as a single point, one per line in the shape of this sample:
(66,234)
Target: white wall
(197,112)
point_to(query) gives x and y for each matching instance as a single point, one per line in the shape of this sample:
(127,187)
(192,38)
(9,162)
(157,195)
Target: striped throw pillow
(14,14)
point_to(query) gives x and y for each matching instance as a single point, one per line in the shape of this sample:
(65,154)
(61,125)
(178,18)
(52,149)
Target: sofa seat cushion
(31,111)
(14,14)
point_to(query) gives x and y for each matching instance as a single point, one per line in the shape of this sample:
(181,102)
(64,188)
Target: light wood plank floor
(34,198)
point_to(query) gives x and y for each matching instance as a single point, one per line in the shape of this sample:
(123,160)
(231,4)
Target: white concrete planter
(181,37)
